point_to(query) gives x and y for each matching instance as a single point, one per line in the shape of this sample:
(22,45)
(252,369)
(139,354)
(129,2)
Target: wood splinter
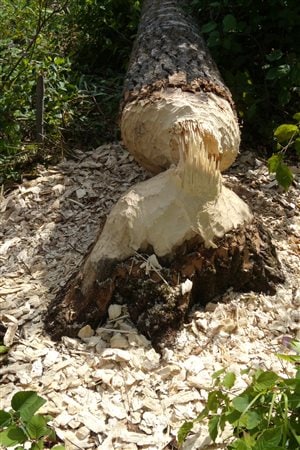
(179,122)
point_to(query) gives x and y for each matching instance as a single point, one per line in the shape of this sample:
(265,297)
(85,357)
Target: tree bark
(196,238)
(172,78)
(168,43)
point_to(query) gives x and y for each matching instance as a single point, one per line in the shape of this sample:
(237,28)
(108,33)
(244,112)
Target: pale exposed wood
(172,78)
(88,384)
(149,127)
(177,115)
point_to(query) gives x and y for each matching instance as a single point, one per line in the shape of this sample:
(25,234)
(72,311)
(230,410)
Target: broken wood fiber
(179,122)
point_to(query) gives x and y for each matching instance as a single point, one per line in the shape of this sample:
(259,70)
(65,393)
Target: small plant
(21,425)
(264,81)
(3,349)
(266,415)
(287,137)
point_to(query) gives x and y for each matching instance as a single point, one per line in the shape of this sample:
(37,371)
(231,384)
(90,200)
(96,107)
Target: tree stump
(196,237)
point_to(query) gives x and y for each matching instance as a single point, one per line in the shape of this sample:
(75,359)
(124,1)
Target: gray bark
(168,42)
(169,57)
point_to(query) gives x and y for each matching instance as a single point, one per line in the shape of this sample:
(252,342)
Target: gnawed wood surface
(109,388)
(158,302)
(186,205)
(172,78)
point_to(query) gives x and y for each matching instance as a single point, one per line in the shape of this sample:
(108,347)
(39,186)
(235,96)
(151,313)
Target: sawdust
(108,388)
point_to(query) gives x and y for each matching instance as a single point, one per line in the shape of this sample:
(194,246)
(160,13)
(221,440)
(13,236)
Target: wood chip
(109,389)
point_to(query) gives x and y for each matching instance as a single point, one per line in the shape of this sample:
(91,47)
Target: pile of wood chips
(109,389)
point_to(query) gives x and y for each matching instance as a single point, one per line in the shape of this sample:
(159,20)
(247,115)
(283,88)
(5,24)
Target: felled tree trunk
(171,81)
(198,238)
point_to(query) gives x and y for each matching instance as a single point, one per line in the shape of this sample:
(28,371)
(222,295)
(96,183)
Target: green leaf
(229,23)
(290,358)
(229,380)
(51,435)
(292,383)
(233,416)
(3,349)
(274,162)
(295,345)
(184,431)
(37,427)
(214,399)
(214,39)
(13,435)
(268,379)
(263,446)
(297,146)
(285,132)
(278,72)
(297,117)
(241,403)
(294,401)
(208,27)
(27,403)
(213,425)
(47,417)
(253,418)
(239,444)
(204,413)
(284,176)
(58,60)
(58,447)
(270,438)
(5,418)
(284,96)
(39,445)
(216,374)
(275,55)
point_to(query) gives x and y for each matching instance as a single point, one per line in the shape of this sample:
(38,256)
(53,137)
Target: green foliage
(21,425)
(104,32)
(28,48)
(3,349)
(266,415)
(80,48)
(287,138)
(255,45)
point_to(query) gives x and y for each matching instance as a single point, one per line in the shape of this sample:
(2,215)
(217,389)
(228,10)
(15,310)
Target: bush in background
(82,47)
(256,47)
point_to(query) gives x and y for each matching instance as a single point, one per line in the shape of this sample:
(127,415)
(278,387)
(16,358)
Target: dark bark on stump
(244,260)
(169,57)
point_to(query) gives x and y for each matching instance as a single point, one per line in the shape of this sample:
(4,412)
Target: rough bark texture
(244,259)
(168,43)
(176,110)
(172,78)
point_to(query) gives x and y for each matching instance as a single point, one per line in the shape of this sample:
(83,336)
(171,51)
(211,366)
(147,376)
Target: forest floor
(109,389)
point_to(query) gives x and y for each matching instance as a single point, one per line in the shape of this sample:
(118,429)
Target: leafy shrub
(21,425)
(255,45)
(80,48)
(266,415)
(287,138)
(29,47)
(104,33)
